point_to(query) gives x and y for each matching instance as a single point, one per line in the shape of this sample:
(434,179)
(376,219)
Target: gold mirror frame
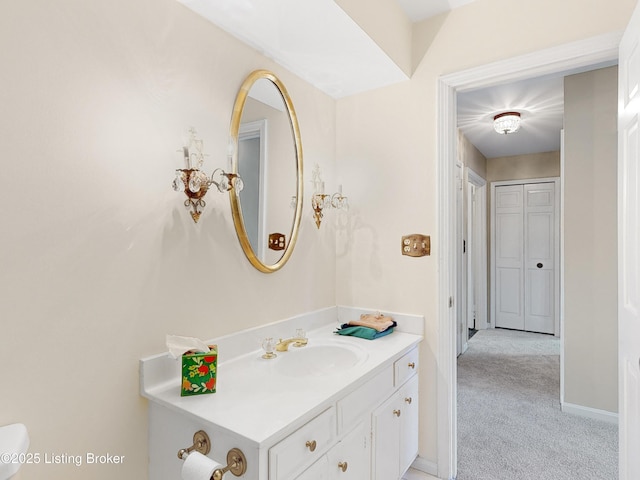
(236,209)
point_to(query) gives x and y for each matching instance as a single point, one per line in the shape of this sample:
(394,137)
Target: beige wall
(387,25)
(99,258)
(521,167)
(470,156)
(386,152)
(590,261)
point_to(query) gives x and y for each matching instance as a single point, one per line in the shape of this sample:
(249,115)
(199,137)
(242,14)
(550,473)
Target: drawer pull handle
(396,413)
(412,365)
(343,466)
(408,400)
(311,445)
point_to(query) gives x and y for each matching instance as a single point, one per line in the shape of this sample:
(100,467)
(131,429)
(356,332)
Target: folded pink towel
(378,321)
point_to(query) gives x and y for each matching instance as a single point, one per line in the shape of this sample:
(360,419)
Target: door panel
(540,247)
(509,257)
(509,241)
(539,307)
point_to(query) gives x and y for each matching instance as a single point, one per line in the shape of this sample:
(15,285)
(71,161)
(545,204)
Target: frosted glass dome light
(507,122)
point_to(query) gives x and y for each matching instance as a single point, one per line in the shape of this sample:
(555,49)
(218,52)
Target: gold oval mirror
(267,155)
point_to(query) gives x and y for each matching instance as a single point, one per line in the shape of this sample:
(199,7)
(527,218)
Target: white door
(526,245)
(628,245)
(508,244)
(539,257)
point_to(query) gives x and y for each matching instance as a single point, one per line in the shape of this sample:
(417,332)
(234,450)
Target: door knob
(343,466)
(311,445)
(396,413)
(539,265)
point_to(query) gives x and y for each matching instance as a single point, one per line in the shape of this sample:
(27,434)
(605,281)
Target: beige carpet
(509,421)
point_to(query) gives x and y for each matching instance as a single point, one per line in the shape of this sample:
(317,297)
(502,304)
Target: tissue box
(199,372)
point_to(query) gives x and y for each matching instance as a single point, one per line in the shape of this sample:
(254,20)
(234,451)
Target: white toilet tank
(14,443)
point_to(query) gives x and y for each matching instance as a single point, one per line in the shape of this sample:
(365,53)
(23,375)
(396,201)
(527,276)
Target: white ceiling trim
(580,54)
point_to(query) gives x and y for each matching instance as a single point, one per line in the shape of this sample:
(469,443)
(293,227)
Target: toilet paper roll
(199,467)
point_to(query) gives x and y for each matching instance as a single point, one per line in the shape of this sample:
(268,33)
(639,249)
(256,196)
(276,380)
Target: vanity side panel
(169,432)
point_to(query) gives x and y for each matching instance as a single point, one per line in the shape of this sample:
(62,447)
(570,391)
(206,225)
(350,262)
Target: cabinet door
(317,471)
(386,446)
(350,459)
(408,424)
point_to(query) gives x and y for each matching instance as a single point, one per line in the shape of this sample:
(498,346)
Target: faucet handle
(268,345)
(300,338)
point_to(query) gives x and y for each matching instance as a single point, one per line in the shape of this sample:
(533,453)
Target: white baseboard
(589,412)
(426,466)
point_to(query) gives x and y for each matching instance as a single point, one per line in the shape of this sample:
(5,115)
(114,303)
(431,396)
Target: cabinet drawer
(303,447)
(360,402)
(405,367)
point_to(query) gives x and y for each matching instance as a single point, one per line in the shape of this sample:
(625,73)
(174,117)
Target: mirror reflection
(268,159)
(266,163)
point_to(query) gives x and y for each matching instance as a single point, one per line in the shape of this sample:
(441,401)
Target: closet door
(525,239)
(539,257)
(509,272)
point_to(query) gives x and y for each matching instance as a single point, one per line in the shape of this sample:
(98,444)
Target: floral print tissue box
(199,372)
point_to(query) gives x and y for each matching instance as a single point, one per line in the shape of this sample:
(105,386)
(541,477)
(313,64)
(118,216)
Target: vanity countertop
(256,400)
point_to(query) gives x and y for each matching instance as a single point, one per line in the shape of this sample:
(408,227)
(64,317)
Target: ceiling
(418,10)
(348,61)
(294,34)
(540,102)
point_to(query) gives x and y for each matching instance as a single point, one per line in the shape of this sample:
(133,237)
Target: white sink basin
(319,360)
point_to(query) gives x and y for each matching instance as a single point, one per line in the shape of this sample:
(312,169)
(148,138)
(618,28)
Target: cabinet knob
(343,466)
(396,413)
(408,400)
(411,365)
(311,445)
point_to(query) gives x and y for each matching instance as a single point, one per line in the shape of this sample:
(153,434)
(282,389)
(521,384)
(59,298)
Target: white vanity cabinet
(384,411)
(293,422)
(395,430)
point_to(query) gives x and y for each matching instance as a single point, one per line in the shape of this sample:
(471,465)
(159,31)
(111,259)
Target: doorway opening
(585,55)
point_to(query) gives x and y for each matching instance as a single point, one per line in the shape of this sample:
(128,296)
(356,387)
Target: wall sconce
(321,201)
(195,183)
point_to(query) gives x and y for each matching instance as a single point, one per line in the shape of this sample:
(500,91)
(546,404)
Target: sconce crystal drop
(178,181)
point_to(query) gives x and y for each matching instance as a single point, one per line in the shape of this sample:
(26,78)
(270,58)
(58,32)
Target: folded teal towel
(363,332)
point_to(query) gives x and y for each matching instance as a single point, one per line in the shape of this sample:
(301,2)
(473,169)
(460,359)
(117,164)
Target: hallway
(509,419)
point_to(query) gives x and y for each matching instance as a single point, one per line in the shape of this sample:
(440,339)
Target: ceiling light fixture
(507,122)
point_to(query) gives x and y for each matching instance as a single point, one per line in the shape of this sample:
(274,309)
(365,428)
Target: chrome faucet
(283,345)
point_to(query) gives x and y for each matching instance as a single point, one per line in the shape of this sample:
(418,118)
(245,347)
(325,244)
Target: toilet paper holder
(201,444)
(236,461)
